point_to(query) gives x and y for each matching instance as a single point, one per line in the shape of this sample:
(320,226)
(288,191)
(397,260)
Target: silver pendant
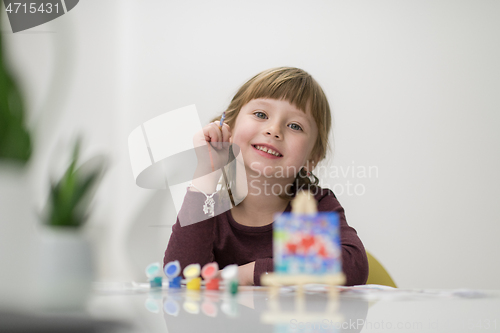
(208,207)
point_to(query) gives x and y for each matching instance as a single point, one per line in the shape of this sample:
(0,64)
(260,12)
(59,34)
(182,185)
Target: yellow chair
(378,274)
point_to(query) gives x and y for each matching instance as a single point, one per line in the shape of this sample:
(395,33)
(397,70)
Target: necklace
(208,207)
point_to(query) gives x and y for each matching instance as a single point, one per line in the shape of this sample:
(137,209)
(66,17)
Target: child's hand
(245,274)
(212,133)
(210,157)
(212,145)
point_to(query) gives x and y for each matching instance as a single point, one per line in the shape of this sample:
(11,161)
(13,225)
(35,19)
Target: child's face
(280,126)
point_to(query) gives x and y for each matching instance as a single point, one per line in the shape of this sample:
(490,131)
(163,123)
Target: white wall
(414,87)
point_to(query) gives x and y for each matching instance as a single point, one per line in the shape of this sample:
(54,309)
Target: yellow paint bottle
(192,274)
(194,284)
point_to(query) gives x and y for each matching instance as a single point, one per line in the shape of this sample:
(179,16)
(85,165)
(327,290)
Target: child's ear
(311,163)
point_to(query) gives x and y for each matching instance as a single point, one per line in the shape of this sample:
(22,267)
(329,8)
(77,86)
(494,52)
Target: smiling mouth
(267,150)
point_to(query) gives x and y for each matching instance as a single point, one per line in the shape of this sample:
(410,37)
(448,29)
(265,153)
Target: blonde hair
(297,87)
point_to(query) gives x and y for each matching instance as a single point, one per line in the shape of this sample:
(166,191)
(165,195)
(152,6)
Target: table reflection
(255,310)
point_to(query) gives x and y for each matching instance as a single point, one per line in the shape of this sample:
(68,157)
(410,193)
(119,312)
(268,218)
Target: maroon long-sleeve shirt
(225,241)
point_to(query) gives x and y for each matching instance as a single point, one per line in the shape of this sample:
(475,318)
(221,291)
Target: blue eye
(260,115)
(295,127)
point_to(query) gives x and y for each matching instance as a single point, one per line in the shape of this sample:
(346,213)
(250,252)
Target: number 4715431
(32,8)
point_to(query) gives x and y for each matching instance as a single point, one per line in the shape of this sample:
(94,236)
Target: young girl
(278,123)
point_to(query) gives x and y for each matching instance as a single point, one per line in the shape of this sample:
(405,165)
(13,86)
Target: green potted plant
(66,262)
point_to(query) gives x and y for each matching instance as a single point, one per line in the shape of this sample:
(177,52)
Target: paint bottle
(172,271)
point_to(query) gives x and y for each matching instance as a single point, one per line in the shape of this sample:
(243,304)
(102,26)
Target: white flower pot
(64,269)
(17,237)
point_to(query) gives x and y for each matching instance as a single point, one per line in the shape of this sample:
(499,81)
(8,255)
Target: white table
(367,309)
